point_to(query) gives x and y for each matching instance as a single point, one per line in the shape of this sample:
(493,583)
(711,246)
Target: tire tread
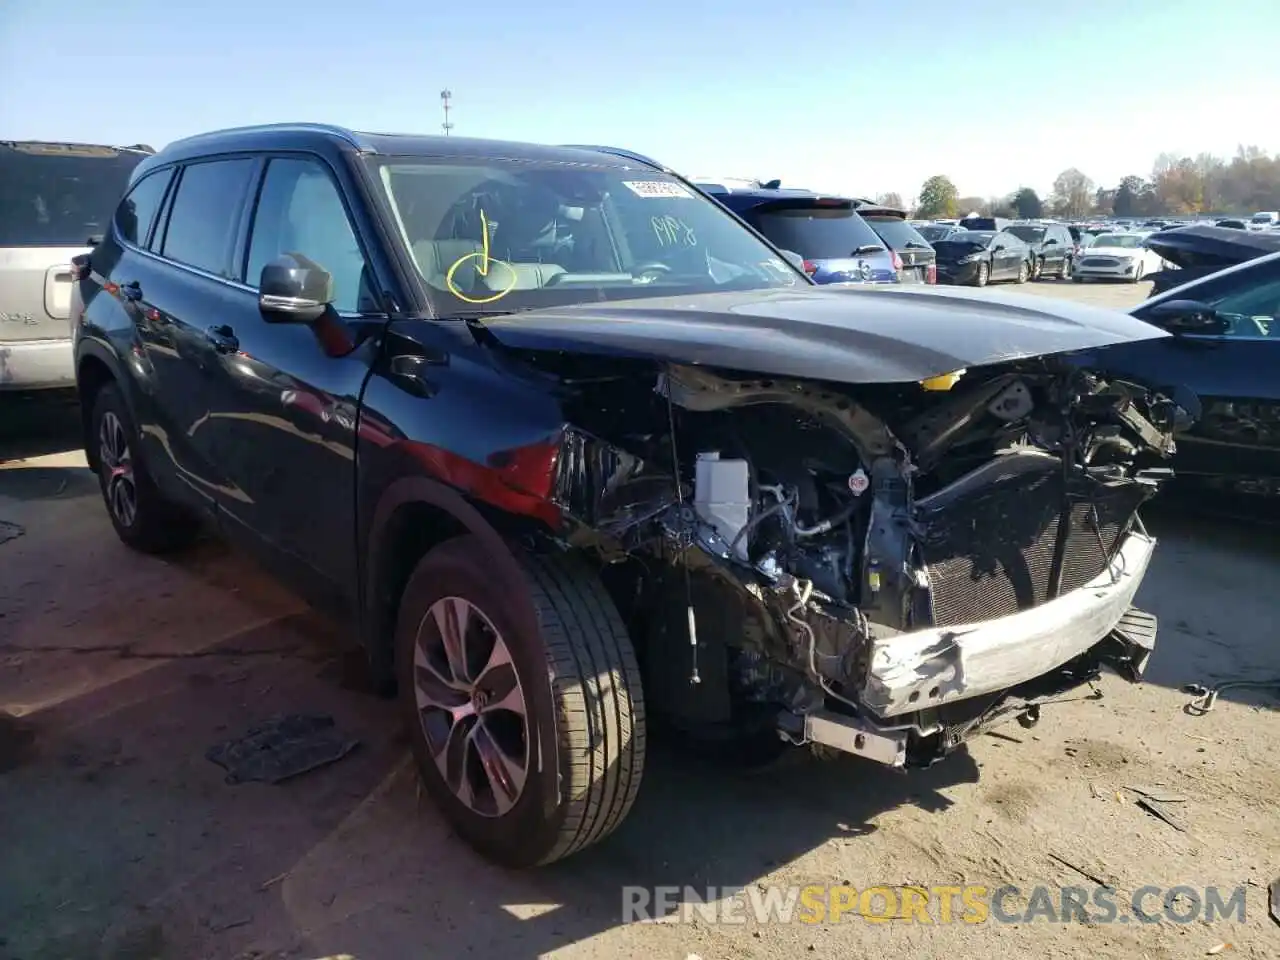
(597,686)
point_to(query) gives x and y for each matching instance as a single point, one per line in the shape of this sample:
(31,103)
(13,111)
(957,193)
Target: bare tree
(1072,193)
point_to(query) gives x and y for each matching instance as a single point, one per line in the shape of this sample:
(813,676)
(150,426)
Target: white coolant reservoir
(722,496)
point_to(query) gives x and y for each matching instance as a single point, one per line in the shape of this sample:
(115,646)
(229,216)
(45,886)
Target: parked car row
(977,250)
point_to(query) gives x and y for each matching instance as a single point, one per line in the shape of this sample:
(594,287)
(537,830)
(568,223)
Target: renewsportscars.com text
(971,903)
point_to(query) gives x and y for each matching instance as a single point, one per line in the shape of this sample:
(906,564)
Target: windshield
(1261,218)
(1027,234)
(816,232)
(1127,240)
(936,231)
(897,233)
(979,223)
(54,195)
(492,236)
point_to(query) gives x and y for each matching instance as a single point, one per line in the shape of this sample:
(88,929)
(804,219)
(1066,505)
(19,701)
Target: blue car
(836,244)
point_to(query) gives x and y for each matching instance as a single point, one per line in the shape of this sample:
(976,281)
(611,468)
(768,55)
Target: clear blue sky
(841,95)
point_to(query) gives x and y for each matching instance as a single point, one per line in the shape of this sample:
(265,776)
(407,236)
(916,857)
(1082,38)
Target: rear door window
(60,195)
(815,232)
(137,212)
(205,213)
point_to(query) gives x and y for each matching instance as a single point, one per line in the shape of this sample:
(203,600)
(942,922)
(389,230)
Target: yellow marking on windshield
(482,268)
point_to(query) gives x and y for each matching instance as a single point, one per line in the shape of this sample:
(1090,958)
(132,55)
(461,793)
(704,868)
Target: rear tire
(1024,271)
(1037,269)
(143,518)
(984,274)
(528,771)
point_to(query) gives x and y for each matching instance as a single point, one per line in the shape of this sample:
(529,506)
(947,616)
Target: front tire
(1023,272)
(1065,273)
(141,515)
(984,275)
(1037,271)
(527,770)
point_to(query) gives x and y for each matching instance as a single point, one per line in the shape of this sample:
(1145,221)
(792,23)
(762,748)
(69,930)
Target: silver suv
(56,200)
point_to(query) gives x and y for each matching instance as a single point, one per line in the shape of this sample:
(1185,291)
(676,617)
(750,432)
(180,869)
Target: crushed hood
(849,335)
(1202,245)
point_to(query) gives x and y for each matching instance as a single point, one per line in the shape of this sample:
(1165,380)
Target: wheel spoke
(433,690)
(451,755)
(452,618)
(106,444)
(505,774)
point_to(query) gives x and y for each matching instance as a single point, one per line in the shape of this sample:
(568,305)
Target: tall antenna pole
(446,98)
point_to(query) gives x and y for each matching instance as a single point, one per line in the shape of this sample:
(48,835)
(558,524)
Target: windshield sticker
(673,232)
(655,189)
(484,263)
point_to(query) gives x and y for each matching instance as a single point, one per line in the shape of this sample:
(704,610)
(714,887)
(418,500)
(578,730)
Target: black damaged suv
(567,442)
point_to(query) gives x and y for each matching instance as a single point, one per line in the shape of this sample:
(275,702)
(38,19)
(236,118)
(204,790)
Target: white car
(1117,256)
(1264,220)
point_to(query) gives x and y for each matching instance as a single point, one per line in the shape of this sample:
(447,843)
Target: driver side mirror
(294,289)
(1188,317)
(794,259)
(1051,242)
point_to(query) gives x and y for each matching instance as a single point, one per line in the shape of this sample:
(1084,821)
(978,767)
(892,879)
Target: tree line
(1204,184)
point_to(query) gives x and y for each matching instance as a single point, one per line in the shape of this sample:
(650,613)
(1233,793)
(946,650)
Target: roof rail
(617,152)
(329,128)
(731,183)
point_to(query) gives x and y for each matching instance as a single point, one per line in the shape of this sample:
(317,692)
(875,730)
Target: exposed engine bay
(879,569)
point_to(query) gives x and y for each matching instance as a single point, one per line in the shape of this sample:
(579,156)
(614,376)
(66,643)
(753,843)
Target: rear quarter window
(136,213)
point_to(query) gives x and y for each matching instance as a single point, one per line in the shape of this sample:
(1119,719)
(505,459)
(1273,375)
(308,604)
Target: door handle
(223,339)
(131,291)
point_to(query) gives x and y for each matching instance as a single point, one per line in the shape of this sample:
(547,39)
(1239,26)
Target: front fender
(409,490)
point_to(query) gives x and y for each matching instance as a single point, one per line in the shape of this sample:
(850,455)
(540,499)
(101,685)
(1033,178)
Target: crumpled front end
(882,570)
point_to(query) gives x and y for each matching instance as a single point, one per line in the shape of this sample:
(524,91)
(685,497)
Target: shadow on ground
(1212,583)
(38,424)
(132,839)
(30,483)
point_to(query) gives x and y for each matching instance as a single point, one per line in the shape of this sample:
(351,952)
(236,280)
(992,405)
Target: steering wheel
(654,267)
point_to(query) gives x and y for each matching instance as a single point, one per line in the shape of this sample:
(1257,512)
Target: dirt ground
(120,840)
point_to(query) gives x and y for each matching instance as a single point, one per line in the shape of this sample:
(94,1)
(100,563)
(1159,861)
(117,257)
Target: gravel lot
(120,840)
